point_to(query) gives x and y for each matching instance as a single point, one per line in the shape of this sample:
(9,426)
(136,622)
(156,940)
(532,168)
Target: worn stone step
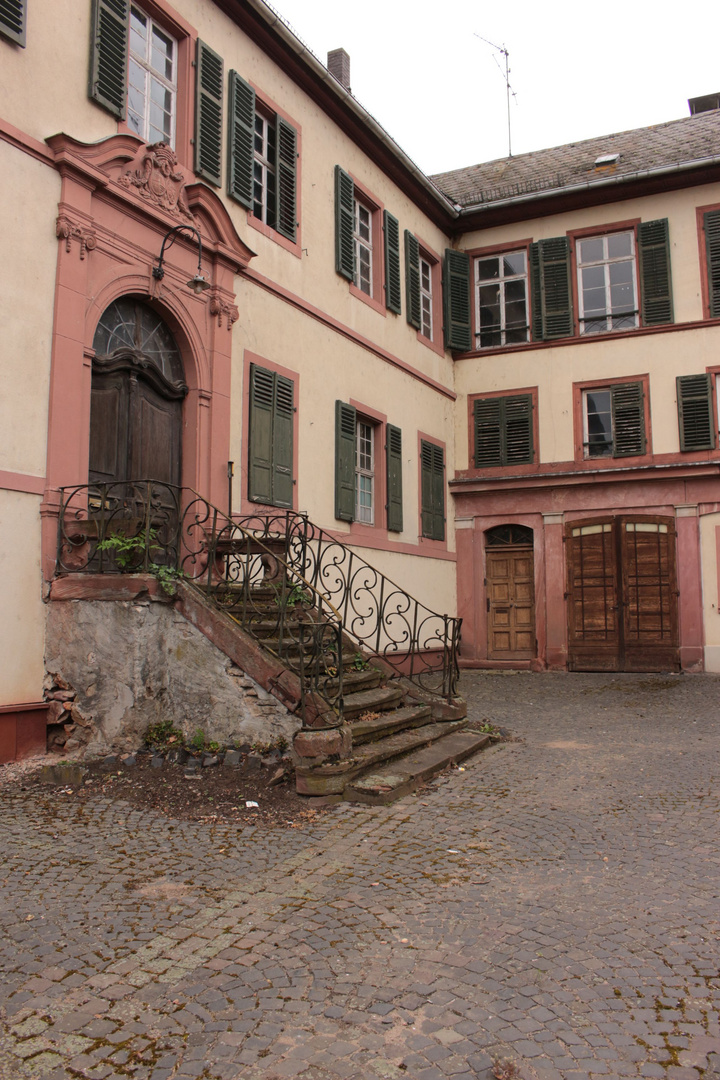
(355,681)
(334,777)
(384,784)
(378,699)
(389,723)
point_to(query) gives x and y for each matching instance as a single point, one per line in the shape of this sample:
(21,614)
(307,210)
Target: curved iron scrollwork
(298,590)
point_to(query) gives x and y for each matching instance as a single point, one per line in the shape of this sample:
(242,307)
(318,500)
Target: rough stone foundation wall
(135,663)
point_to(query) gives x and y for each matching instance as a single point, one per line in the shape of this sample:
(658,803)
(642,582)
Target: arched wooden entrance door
(510,591)
(137,394)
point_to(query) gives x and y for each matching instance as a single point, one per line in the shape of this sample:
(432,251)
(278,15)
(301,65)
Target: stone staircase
(395,736)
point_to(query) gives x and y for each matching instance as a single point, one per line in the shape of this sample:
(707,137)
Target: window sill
(369,300)
(272,234)
(622,335)
(430,343)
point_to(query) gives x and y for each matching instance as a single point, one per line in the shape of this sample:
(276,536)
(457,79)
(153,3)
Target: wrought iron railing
(322,588)
(377,614)
(175,534)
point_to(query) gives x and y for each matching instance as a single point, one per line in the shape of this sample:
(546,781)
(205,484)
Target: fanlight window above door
(131,330)
(509,535)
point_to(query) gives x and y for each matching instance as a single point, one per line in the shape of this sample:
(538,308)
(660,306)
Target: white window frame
(264,179)
(365,471)
(363,242)
(426,297)
(141,123)
(609,448)
(502,280)
(603,323)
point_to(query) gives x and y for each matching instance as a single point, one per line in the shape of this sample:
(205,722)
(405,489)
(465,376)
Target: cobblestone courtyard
(555,904)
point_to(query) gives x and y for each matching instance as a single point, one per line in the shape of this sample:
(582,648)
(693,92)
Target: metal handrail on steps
(176,534)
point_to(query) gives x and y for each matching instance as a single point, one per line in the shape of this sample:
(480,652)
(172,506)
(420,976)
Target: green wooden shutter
(344,224)
(260,464)
(695,412)
(712,248)
(208,113)
(503,431)
(518,430)
(110,28)
(488,432)
(432,477)
(552,315)
(655,282)
(13,20)
(393,455)
(282,442)
(412,279)
(456,300)
(241,136)
(393,290)
(628,419)
(345,427)
(286,172)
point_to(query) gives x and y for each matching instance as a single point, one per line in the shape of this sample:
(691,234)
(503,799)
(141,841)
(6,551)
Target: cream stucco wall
(554,368)
(29,193)
(331,368)
(22,626)
(709,551)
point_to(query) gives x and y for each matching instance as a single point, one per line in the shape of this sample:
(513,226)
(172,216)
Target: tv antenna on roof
(502,49)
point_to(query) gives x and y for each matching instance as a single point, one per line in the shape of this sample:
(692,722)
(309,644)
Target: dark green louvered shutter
(503,431)
(282,443)
(712,249)
(344,224)
(456,300)
(13,20)
(695,412)
(393,454)
(488,432)
(345,426)
(432,474)
(260,463)
(552,315)
(109,54)
(208,113)
(412,279)
(628,419)
(655,281)
(393,289)
(286,172)
(241,136)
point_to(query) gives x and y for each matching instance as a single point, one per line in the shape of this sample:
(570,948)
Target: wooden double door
(622,594)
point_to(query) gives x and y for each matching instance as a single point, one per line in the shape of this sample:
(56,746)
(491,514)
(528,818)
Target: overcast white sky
(578,70)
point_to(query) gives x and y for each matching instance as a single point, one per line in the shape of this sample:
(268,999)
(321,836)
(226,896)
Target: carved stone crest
(155,175)
(223,308)
(68,230)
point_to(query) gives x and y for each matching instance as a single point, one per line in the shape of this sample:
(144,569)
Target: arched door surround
(510,592)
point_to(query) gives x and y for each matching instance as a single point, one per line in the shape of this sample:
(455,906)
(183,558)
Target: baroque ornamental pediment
(155,174)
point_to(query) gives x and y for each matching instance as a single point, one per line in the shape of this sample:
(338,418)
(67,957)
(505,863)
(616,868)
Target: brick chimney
(338,64)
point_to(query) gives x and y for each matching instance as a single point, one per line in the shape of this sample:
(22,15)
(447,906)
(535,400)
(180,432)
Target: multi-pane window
(152,80)
(264,183)
(502,299)
(426,299)
(614,421)
(606,283)
(362,237)
(364,473)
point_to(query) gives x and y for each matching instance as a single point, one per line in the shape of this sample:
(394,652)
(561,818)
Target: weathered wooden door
(510,594)
(136,398)
(622,595)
